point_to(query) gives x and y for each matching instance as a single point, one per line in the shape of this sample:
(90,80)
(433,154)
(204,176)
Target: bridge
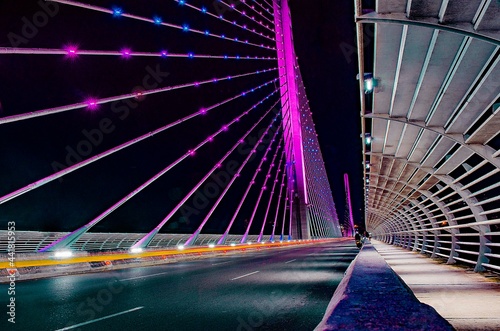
(162,161)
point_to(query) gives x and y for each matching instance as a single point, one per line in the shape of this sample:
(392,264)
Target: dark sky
(325,42)
(29,150)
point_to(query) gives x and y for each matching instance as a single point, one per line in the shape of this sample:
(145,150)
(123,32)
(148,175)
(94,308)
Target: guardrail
(32,241)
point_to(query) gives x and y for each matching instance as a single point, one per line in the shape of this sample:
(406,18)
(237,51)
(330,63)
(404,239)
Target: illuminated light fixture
(163,53)
(135,250)
(370,82)
(63,254)
(368,138)
(157,20)
(211,245)
(203,10)
(249,242)
(180,247)
(71,51)
(126,53)
(185,27)
(233,244)
(92,104)
(117,11)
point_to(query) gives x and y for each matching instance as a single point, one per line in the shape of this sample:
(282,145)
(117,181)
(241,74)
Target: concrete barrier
(371,296)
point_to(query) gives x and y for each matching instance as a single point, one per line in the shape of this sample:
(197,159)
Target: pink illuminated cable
(250,184)
(204,11)
(73,51)
(348,195)
(250,16)
(144,241)
(251,7)
(68,239)
(285,205)
(185,27)
(263,7)
(96,102)
(271,195)
(97,157)
(281,187)
(264,187)
(270,6)
(192,239)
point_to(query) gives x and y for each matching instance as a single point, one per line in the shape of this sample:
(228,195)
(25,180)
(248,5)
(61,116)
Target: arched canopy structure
(431,126)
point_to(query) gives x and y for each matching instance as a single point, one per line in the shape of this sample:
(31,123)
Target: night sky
(324,35)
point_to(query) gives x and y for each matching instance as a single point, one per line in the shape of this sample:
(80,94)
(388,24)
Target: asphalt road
(285,289)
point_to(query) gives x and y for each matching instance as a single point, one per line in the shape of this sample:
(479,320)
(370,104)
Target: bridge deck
(468,300)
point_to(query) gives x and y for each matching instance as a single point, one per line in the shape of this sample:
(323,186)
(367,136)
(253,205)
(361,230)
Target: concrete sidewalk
(372,297)
(468,300)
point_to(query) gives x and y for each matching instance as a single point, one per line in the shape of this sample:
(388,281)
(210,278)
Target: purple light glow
(126,53)
(71,51)
(92,104)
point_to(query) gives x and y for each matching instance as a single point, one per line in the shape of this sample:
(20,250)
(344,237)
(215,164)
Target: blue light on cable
(117,11)
(157,20)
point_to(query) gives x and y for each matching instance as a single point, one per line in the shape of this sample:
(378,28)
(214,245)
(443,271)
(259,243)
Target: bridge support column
(297,184)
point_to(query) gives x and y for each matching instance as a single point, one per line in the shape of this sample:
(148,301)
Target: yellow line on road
(166,252)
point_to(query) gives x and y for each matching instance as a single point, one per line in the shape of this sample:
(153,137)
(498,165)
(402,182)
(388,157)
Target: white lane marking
(245,275)
(220,263)
(100,319)
(290,261)
(138,277)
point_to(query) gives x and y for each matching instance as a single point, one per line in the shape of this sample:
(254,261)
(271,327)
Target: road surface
(286,289)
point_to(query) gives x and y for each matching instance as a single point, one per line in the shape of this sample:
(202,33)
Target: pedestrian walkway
(468,300)
(372,297)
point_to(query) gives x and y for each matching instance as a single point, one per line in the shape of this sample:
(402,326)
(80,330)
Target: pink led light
(126,53)
(71,51)
(92,104)
(191,152)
